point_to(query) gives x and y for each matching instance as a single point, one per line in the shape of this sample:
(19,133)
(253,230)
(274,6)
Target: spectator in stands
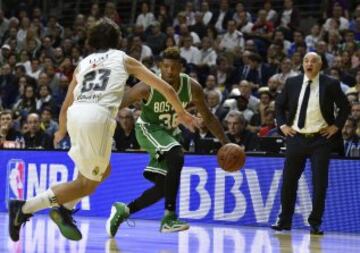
(355,111)
(207,14)
(268,127)
(27,103)
(145,18)
(345,77)
(184,32)
(262,31)
(8,87)
(313,37)
(199,27)
(298,38)
(145,50)
(190,53)
(239,11)
(5,54)
(337,16)
(213,99)
(7,129)
(35,68)
(232,38)
(245,89)
(189,13)
(237,132)
(124,135)
(326,57)
(258,72)
(36,138)
(208,55)
(222,16)
(272,15)
(156,40)
(336,73)
(243,24)
(351,139)
(225,73)
(4,25)
(275,86)
(352,97)
(111,12)
(289,18)
(285,71)
(45,99)
(48,125)
(279,39)
(164,17)
(274,56)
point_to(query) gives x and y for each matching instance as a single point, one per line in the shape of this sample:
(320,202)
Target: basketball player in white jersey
(88,115)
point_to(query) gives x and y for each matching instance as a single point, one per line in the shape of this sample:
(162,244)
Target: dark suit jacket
(228,16)
(330,94)
(221,112)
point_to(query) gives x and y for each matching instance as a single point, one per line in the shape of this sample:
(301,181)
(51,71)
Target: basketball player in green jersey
(157,133)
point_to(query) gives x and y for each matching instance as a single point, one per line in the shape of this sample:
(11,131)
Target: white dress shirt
(231,40)
(191,55)
(314,121)
(145,19)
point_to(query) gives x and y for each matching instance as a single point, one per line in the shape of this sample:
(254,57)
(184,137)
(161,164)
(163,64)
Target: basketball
(231,157)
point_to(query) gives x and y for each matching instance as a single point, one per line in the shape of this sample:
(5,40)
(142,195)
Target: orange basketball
(231,157)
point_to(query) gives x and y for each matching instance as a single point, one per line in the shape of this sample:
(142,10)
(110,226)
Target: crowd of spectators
(241,58)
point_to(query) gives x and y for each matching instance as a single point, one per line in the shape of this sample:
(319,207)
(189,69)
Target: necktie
(304,105)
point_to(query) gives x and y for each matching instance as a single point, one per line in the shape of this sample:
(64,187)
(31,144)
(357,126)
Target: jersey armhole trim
(189,89)
(150,97)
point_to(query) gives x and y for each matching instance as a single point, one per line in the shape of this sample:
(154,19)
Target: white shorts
(91,128)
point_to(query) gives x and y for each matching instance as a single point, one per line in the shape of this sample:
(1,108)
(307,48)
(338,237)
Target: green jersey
(158,111)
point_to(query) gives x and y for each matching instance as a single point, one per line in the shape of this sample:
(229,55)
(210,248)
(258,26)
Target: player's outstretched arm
(138,92)
(211,122)
(69,99)
(137,69)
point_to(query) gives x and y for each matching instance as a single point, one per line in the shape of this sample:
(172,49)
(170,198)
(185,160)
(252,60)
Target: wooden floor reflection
(40,235)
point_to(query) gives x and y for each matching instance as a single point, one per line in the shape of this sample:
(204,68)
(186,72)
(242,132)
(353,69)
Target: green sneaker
(119,213)
(63,219)
(170,223)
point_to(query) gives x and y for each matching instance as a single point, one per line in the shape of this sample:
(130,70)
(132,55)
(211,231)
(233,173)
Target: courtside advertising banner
(207,194)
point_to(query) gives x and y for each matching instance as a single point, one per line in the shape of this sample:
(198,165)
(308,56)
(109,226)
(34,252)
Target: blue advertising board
(207,194)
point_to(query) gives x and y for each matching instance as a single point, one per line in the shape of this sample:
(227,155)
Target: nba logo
(16,179)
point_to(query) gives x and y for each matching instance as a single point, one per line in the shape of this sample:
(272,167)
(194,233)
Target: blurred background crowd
(241,52)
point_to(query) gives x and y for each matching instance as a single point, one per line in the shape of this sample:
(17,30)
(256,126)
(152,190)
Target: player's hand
(58,136)
(189,121)
(287,131)
(329,131)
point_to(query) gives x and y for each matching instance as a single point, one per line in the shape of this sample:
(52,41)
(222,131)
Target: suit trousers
(298,149)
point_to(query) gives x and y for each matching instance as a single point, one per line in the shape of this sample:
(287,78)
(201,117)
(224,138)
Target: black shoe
(16,218)
(315,230)
(279,226)
(63,218)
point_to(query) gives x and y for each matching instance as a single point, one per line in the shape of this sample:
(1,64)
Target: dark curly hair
(104,35)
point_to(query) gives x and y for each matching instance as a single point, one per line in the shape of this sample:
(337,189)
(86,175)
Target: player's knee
(175,156)
(86,186)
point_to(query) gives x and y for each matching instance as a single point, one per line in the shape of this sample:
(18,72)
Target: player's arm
(69,99)
(138,92)
(137,69)
(211,122)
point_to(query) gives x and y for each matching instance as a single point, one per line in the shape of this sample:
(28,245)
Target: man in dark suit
(305,114)
(222,16)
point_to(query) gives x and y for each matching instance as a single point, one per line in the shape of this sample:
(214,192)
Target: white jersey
(101,79)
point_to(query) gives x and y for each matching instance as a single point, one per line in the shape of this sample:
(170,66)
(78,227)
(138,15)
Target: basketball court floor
(40,235)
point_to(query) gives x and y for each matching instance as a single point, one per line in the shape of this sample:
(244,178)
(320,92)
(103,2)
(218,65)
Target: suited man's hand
(329,131)
(287,131)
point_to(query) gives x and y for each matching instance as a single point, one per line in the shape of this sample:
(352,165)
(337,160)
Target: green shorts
(156,141)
